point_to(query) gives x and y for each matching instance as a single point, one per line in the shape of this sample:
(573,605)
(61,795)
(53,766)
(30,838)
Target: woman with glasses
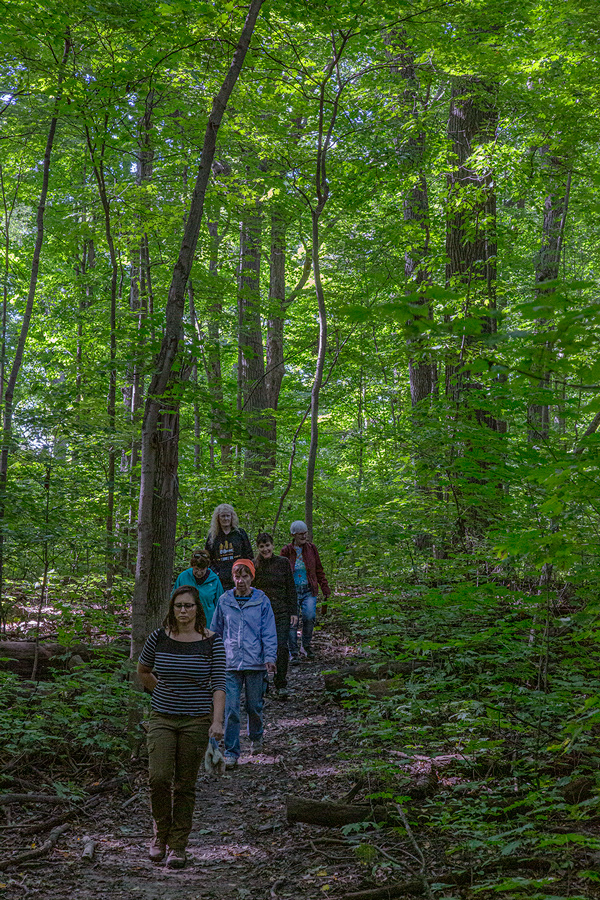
(308,577)
(182,664)
(204,579)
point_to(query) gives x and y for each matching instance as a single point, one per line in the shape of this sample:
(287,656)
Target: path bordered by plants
(483,756)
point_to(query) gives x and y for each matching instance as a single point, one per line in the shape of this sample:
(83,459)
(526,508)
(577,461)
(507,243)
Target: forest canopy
(390,321)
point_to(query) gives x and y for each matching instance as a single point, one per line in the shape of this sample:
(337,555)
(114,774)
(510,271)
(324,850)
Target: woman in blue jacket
(244,619)
(204,579)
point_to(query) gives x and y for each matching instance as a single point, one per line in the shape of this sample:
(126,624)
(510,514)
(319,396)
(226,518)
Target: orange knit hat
(245,562)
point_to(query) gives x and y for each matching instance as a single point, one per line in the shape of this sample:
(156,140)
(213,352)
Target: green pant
(176,747)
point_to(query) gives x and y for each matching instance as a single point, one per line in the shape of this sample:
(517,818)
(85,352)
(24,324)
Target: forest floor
(502,800)
(241,845)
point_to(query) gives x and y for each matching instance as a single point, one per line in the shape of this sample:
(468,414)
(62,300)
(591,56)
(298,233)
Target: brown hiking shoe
(157,850)
(176,859)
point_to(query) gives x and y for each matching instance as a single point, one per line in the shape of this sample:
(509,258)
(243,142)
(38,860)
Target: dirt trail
(241,846)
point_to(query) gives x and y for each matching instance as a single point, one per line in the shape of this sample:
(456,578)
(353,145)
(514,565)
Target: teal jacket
(210,590)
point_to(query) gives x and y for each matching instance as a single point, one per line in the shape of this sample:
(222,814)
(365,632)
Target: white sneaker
(231,761)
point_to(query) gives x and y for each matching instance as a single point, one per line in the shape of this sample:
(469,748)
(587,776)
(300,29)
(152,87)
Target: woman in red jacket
(308,576)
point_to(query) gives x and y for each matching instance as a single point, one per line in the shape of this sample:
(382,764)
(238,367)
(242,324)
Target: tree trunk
(422,372)
(471,271)
(277,306)
(324,136)
(556,206)
(140,301)
(169,350)
(330,814)
(164,510)
(471,228)
(111,406)
(20,350)
(251,363)
(220,430)
(318,380)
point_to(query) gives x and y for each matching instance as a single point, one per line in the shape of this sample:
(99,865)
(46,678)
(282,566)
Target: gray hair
(214,522)
(298,527)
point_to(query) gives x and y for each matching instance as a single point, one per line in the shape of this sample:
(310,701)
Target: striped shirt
(188,673)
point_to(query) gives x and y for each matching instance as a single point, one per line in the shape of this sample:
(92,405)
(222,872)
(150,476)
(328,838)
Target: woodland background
(393,296)
(366,294)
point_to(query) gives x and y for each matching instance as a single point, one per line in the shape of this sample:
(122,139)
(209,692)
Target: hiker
(200,576)
(245,621)
(182,664)
(274,577)
(308,575)
(226,542)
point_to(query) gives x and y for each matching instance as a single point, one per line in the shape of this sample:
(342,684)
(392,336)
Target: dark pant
(176,747)
(283,632)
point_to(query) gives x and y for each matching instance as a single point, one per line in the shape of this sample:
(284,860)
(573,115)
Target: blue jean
(307,608)
(254,682)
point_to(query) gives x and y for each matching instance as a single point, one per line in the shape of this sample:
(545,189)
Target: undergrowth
(506,702)
(78,720)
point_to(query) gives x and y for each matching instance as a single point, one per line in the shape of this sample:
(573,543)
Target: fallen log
(19,656)
(106,786)
(399,889)
(334,681)
(33,798)
(37,827)
(37,852)
(318,812)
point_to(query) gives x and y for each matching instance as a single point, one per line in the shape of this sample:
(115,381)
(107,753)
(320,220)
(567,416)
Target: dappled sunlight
(261,759)
(224,852)
(284,724)
(325,771)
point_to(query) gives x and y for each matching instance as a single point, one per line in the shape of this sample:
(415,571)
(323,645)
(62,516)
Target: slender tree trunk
(140,302)
(8,209)
(422,372)
(471,271)
(318,379)
(164,507)
(88,263)
(277,306)
(471,228)
(196,326)
(100,176)
(220,430)
(169,351)
(251,360)
(324,135)
(556,205)
(20,350)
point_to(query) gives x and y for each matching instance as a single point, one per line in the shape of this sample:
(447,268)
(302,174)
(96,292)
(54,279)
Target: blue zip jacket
(210,590)
(248,631)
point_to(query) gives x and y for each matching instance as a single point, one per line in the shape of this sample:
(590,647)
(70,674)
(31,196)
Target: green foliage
(506,696)
(81,716)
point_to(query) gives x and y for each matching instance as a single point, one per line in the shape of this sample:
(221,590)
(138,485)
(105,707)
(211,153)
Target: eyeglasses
(184,606)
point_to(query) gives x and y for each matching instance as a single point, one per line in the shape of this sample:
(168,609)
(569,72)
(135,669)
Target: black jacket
(224,550)
(274,577)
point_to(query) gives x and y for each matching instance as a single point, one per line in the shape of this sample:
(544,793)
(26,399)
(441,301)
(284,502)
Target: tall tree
(146,609)
(251,362)
(11,383)
(557,178)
